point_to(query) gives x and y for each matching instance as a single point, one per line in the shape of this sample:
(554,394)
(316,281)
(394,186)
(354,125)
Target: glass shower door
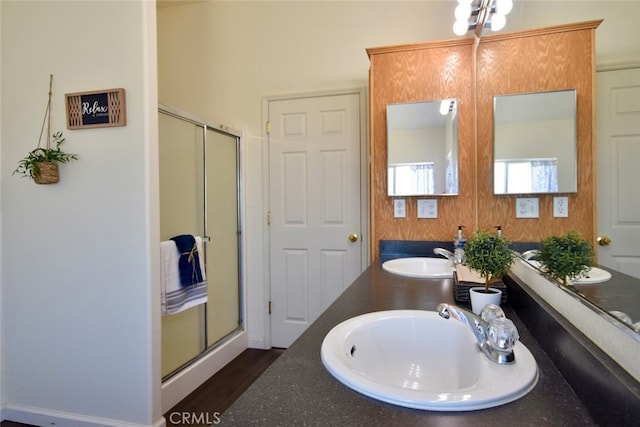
(199,195)
(223,229)
(181,212)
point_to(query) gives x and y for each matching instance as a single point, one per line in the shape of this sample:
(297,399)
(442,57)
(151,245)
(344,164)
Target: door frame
(362,93)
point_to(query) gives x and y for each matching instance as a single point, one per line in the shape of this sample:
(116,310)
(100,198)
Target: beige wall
(218,59)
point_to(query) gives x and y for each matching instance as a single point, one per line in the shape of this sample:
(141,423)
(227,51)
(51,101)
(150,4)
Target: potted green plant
(41,164)
(490,256)
(565,257)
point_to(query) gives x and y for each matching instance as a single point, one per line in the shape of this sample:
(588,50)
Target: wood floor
(213,397)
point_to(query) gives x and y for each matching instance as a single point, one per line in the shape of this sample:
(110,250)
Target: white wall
(80,315)
(218,59)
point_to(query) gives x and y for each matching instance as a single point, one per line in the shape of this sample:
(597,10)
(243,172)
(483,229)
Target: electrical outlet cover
(399,208)
(527,208)
(561,207)
(427,208)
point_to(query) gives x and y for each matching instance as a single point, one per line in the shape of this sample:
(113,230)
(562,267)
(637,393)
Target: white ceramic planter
(479,298)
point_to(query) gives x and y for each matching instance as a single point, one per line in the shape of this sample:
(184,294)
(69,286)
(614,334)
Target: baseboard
(47,418)
(182,384)
(258,343)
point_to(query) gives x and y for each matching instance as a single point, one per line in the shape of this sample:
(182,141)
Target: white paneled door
(314,203)
(618,132)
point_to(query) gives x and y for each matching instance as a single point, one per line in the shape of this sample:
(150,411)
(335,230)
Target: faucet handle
(459,257)
(502,334)
(490,312)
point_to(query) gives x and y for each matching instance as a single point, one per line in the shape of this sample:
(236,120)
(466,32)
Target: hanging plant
(41,163)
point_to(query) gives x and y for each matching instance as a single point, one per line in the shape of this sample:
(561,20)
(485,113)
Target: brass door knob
(603,240)
(353,237)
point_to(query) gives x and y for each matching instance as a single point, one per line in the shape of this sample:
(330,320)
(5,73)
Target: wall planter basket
(41,163)
(48,173)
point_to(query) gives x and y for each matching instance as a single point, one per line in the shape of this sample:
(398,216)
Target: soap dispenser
(459,241)
(498,229)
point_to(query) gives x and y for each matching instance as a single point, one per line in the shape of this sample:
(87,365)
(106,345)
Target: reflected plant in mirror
(535,143)
(566,257)
(422,148)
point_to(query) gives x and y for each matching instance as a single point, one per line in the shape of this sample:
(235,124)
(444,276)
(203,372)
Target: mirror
(422,148)
(535,143)
(615,299)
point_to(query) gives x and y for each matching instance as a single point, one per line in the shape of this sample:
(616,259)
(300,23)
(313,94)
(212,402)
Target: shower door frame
(227,131)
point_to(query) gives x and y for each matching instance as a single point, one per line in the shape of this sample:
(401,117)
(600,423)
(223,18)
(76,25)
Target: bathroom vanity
(297,389)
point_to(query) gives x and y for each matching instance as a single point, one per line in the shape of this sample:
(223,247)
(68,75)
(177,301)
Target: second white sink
(422,267)
(594,275)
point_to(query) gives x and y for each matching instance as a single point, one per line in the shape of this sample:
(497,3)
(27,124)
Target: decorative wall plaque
(95,109)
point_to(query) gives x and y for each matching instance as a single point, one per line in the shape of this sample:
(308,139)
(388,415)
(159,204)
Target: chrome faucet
(530,254)
(456,257)
(496,338)
(445,253)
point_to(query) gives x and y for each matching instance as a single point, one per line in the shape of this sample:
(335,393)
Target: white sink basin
(422,267)
(595,274)
(419,360)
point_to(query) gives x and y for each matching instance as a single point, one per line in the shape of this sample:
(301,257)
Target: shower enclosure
(200,193)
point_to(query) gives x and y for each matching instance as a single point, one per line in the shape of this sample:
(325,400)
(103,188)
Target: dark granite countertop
(298,391)
(620,293)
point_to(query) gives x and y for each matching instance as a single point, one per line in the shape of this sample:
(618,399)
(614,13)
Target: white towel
(175,297)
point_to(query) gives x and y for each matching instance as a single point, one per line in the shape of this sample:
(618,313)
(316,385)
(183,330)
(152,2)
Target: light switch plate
(399,208)
(527,208)
(561,207)
(427,208)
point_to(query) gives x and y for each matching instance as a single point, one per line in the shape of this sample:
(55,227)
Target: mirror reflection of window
(451,175)
(422,145)
(417,178)
(525,176)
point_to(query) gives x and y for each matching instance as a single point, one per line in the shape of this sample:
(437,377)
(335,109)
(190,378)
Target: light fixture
(503,7)
(477,15)
(463,11)
(498,22)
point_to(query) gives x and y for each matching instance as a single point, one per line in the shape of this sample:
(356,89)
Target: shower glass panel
(221,165)
(199,195)
(181,198)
